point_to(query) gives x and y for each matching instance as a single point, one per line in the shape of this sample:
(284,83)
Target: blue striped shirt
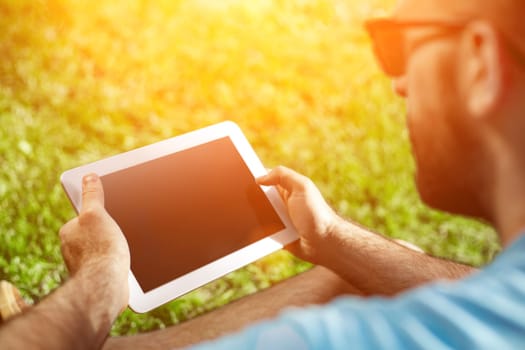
(483,311)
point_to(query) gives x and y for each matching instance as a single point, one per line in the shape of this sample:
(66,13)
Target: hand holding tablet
(190,210)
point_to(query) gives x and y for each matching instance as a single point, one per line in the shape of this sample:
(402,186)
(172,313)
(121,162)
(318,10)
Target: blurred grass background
(81,80)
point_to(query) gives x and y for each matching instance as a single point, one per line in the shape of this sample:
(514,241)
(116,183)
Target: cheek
(431,82)
(430,106)
(433,88)
(424,102)
(428,88)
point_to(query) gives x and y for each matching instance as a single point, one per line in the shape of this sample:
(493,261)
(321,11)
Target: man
(460,66)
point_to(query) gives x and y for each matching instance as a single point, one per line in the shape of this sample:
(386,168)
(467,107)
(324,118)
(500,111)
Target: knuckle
(89,190)
(88,216)
(278,169)
(307,182)
(304,183)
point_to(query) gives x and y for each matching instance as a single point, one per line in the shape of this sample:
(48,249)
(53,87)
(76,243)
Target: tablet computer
(190,209)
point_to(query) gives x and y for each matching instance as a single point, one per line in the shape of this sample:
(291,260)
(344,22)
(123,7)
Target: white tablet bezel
(142,302)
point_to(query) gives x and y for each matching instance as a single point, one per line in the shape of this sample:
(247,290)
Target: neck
(509,210)
(508,196)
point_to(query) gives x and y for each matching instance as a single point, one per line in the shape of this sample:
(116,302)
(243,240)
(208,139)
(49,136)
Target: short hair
(507,15)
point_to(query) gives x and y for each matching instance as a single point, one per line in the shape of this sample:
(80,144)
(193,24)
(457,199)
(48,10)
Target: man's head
(461,68)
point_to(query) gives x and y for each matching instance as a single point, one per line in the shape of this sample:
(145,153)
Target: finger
(283,193)
(282,176)
(92,192)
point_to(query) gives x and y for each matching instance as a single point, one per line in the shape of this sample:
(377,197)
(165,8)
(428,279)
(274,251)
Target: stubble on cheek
(427,134)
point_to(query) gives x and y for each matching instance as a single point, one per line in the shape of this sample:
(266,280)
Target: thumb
(92,192)
(284,177)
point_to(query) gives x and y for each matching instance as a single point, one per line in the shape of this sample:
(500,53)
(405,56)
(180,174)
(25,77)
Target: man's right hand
(312,217)
(79,314)
(94,242)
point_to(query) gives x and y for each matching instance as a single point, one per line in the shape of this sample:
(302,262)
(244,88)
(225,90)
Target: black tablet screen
(185,210)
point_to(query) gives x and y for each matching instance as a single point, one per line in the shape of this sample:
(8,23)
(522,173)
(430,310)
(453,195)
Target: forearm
(316,286)
(378,265)
(78,315)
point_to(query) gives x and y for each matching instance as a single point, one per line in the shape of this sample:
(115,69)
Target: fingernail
(90,178)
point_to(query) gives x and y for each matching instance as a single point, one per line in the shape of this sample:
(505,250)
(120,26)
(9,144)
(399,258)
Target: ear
(482,69)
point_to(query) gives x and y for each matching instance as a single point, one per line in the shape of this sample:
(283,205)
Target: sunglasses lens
(388,46)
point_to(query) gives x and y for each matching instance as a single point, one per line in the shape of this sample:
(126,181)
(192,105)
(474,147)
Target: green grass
(80,82)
